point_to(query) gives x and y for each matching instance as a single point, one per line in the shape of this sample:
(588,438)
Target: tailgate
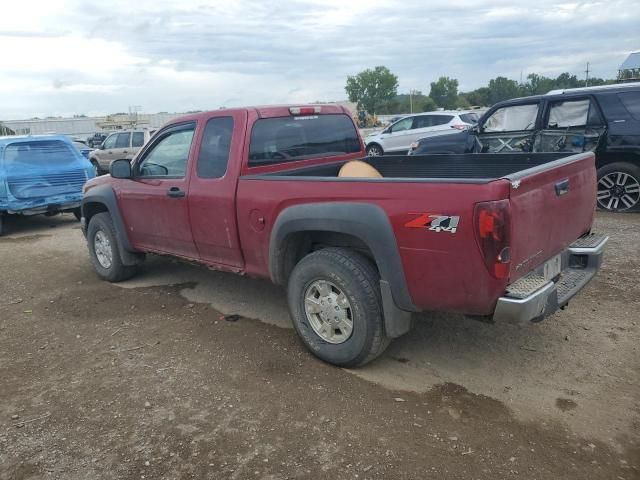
(551,206)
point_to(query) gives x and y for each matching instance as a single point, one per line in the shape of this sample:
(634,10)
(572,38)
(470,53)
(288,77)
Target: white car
(398,137)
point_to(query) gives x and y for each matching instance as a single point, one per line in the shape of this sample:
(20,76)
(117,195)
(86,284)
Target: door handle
(562,187)
(175,192)
(125,151)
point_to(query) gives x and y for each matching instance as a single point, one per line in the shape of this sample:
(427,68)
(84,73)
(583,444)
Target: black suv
(603,119)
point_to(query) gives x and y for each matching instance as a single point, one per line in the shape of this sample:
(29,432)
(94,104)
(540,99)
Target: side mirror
(475,129)
(120,168)
(387,130)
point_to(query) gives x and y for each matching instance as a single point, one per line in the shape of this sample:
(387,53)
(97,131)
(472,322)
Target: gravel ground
(147,380)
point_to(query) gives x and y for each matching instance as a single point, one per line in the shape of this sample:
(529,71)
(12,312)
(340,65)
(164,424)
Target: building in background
(630,69)
(82,127)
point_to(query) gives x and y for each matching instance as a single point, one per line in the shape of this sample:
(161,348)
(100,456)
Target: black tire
(115,271)
(356,277)
(614,197)
(98,171)
(374,150)
(1,224)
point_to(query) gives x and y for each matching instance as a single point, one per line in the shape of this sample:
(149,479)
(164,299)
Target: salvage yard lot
(146,379)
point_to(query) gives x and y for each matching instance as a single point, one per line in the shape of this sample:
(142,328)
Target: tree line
(376,91)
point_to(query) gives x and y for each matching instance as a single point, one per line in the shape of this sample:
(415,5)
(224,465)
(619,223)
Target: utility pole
(586,83)
(411,101)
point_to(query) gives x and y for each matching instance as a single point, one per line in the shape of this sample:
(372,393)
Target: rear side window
(138,139)
(568,114)
(512,119)
(214,150)
(123,140)
(45,152)
(287,139)
(440,120)
(631,101)
(470,117)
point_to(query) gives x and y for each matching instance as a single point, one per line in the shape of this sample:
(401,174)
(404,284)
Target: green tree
(371,89)
(444,92)
(478,97)
(538,84)
(502,88)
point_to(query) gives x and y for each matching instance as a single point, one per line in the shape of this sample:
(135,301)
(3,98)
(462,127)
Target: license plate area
(553,267)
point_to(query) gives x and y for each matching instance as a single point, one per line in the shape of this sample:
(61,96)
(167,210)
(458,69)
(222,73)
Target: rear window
(45,152)
(631,101)
(287,139)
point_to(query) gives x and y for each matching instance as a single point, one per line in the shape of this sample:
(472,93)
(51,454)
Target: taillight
(304,110)
(459,126)
(493,233)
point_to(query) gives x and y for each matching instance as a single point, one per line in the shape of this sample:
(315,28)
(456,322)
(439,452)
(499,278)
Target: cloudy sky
(64,57)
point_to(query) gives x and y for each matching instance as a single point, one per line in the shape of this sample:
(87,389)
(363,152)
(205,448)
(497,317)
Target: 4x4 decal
(434,222)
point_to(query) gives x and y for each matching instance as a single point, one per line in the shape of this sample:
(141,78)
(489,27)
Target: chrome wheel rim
(618,191)
(328,311)
(374,152)
(102,247)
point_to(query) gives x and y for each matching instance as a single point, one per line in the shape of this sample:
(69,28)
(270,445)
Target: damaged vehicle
(604,120)
(41,175)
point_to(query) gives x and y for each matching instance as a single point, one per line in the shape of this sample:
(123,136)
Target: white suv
(398,137)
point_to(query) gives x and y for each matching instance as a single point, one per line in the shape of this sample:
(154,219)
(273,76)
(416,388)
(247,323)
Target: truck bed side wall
(443,270)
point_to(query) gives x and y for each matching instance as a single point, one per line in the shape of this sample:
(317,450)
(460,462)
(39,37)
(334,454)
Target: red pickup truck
(258,191)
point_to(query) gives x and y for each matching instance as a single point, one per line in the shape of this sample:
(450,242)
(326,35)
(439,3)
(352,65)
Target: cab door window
(169,155)
(402,125)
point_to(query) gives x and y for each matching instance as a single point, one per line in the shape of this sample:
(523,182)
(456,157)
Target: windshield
(286,139)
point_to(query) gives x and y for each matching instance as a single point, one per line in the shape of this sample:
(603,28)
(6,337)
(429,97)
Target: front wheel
(104,250)
(374,150)
(96,168)
(619,187)
(336,308)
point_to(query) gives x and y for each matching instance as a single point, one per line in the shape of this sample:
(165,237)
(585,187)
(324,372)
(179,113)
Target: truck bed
(479,168)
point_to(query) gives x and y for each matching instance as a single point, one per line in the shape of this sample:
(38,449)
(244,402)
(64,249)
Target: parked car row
(398,137)
(605,120)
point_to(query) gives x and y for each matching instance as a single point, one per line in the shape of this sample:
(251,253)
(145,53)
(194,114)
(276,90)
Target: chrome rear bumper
(531,299)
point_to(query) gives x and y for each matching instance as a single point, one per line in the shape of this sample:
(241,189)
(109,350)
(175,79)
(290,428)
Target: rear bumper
(531,298)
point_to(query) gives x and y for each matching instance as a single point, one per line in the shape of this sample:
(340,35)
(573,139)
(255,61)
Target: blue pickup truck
(41,175)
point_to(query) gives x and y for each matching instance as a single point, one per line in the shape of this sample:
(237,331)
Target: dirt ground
(146,380)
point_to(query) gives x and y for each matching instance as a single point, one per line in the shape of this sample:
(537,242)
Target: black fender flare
(104,195)
(371,225)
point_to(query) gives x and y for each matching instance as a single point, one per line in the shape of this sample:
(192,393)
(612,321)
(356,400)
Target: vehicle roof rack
(560,91)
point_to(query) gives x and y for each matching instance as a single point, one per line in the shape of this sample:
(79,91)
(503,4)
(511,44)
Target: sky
(66,57)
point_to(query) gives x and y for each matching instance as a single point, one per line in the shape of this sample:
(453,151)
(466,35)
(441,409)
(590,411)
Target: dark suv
(604,119)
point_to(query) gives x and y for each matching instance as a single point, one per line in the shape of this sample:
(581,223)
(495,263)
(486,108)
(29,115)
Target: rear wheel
(104,250)
(619,187)
(335,304)
(374,150)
